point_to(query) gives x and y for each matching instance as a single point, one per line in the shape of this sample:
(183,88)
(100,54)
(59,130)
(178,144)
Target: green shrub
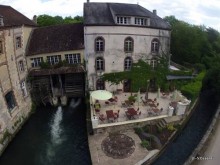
(159,129)
(146,128)
(145,143)
(170,127)
(132,98)
(138,130)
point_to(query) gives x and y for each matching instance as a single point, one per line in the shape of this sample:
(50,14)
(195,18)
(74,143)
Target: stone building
(117,35)
(55,59)
(15,101)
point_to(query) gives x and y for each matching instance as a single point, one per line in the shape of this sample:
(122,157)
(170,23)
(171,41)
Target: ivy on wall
(140,74)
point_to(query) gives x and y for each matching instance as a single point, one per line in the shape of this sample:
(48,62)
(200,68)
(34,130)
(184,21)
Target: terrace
(120,111)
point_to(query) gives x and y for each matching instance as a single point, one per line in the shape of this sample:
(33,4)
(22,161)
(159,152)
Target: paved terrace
(145,112)
(140,154)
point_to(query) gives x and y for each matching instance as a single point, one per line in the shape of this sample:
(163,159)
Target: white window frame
(153,63)
(100,64)
(36,62)
(73,58)
(24,89)
(1,22)
(127,63)
(99,44)
(18,42)
(140,21)
(123,20)
(155,46)
(21,66)
(52,60)
(129,44)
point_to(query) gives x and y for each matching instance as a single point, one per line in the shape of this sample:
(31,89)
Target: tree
(211,82)
(47,20)
(193,44)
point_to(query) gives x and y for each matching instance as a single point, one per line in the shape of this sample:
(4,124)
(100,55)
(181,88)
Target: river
(52,136)
(181,148)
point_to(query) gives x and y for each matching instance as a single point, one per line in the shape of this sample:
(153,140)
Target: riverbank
(174,134)
(207,152)
(142,155)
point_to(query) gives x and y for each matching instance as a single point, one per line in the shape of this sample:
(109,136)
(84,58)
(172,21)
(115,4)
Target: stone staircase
(161,124)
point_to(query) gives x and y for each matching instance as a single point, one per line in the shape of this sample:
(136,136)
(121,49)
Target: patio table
(152,105)
(132,112)
(110,115)
(111,100)
(156,110)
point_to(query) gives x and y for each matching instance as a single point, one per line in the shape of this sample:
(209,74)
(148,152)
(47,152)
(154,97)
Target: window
(36,61)
(100,84)
(73,58)
(10,100)
(54,59)
(140,21)
(1,47)
(153,63)
(127,63)
(1,22)
(18,42)
(21,66)
(123,20)
(99,64)
(99,44)
(155,45)
(128,45)
(23,89)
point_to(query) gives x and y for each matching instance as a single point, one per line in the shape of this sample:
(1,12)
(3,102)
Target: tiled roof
(12,17)
(56,38)
(103,14)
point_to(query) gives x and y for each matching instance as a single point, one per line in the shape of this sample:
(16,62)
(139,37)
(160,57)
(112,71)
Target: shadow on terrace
(120,110)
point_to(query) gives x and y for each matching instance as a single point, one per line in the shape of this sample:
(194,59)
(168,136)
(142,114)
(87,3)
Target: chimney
(87,1)
(155,12)
(35,19)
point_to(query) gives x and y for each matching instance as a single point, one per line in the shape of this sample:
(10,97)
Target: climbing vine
(140,74)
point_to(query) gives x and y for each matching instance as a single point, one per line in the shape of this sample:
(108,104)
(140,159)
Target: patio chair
(102,118)
(97,110)
(123,105)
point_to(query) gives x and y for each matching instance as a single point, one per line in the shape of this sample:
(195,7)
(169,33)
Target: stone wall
(11,78)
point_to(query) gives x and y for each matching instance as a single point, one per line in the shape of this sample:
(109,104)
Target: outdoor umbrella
(101,95)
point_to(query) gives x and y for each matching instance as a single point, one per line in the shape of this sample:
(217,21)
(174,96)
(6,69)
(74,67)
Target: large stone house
(117,35)
(62,48)
(15,102)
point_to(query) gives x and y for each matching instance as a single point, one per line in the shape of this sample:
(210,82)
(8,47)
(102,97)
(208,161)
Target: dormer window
(123,20)
(1,22)
(141,21)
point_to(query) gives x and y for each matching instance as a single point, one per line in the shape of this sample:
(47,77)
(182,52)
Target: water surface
(52,136)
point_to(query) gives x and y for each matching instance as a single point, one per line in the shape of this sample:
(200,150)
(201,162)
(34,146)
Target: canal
(181,148)
(52,136)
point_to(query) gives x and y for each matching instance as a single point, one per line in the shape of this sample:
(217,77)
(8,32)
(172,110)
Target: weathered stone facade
(15,100)
(117,35)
